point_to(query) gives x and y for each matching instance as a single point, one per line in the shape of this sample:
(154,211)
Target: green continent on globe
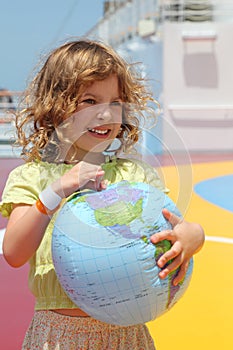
(119,213)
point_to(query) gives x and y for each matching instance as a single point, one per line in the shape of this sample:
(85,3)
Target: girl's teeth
(102,132)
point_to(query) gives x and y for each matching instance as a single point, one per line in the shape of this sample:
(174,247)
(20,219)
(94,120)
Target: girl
(78,103)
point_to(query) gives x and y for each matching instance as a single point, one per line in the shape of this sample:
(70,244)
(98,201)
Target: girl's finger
(172,253)
(181,274)
(170,268)
(161,236)
(172,218)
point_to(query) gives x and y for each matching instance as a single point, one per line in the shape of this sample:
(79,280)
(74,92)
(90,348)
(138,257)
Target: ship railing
(196,10)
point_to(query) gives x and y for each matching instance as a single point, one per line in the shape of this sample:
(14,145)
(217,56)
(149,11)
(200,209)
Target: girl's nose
(104,113)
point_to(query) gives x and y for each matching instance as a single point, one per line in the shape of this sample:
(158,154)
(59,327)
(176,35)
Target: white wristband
(49,198)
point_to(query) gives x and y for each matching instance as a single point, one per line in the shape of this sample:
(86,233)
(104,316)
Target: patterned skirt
(52,331)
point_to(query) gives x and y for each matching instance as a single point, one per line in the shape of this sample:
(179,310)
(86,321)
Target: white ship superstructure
(186,50)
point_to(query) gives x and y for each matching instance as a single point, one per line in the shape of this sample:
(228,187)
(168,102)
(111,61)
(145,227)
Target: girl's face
(99,116)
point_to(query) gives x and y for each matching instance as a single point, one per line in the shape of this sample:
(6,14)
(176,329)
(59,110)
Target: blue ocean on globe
(103,256)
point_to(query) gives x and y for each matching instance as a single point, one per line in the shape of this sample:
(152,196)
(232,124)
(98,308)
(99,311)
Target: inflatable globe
(103,256)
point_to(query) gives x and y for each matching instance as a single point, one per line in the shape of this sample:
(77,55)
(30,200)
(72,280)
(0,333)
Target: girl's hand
(186,239)
(82,175)
(26,226)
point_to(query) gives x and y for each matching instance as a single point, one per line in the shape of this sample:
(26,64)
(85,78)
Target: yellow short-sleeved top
(24,185)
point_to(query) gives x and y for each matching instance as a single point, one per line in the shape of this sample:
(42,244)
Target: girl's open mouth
(99,132)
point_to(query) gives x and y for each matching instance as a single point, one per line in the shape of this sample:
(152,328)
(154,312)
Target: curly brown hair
(57,87)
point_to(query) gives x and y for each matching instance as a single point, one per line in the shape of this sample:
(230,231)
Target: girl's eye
(116,103)
(89,101)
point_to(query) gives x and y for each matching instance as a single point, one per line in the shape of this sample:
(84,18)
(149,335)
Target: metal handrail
(196,107)
(182,10)
(7,105)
